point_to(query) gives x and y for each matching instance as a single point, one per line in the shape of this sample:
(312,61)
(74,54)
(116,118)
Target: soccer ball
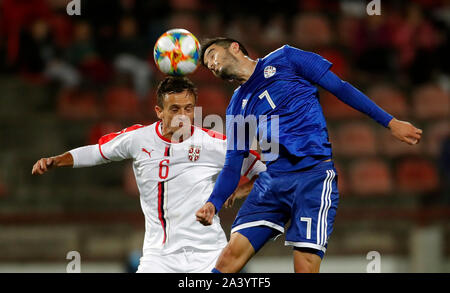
(177,52)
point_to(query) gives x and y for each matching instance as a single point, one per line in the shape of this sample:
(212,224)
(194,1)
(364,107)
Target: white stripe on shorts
(258,223)
(328,198)
(305,244)
(323,202)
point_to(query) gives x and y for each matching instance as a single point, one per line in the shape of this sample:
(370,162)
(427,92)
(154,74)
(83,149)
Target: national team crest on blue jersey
(269,71)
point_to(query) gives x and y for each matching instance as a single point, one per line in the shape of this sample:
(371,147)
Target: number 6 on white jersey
(265,94)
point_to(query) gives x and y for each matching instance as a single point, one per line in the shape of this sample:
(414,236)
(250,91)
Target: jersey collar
(158,132)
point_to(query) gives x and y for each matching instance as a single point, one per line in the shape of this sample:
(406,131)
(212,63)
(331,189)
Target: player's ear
(159,112)
(234,47)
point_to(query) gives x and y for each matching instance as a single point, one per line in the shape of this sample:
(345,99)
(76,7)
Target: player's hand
(42,166)
(230,201)
(241,192)
(405,131)
(206,213)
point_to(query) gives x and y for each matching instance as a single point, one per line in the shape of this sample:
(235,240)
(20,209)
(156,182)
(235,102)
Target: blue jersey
(282,84)
(282,97)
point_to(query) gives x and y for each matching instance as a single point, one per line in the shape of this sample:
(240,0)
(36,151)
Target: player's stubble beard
(228,71)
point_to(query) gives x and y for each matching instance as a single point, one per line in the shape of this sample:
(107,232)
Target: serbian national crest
(269,71)
(194,153)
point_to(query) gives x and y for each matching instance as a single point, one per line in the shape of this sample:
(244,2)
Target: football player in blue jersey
(300,183)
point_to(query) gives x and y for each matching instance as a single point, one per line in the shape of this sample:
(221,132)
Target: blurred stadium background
(67,80)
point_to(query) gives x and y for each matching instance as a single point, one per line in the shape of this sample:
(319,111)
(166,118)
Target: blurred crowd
(101,65)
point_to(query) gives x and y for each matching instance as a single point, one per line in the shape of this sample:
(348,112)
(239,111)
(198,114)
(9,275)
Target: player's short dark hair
(220,41)
(174,84)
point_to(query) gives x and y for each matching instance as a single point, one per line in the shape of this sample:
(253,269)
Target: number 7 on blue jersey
(265,94)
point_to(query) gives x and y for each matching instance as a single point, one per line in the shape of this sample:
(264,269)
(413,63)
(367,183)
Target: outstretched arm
(111,147)
(85,156)
(402,130)
(45,164)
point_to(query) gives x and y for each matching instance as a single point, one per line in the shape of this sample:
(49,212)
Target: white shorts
(185,260)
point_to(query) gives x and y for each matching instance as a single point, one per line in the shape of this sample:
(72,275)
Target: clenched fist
(206,213)
(43,165)
(405,131)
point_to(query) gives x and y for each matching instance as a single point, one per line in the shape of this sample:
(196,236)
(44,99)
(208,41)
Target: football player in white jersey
(175,165)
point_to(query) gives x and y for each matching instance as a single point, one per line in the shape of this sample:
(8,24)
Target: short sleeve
(117,146)
(252,165)
(308,65)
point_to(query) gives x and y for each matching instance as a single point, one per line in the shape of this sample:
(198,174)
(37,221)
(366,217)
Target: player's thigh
(161,264)
(235,255)
(205,261)
(152,267)
(265,205)
(314,210)
(258,236)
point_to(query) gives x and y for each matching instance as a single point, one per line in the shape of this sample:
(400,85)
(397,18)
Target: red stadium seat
(3,189)
(102,128)
(354,140)
(121,103)
(431,102)
(340,65)
(205,76)
(390,99)
(77,104)
(185,20)
(311,31)
(390,146)
(185,4)
(150,103)
(213,100)
(333,108)
(414,175)
(434,136)
(343,184)
(62,29)
(370,177)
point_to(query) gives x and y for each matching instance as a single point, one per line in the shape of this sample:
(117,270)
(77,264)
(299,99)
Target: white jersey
(174,181)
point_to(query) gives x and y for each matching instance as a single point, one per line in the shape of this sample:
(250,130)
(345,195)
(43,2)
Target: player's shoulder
(138,129)
(129,131)
(276,53)
(211,134)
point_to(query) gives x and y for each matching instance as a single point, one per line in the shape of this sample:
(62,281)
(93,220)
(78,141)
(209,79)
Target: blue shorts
(308,198)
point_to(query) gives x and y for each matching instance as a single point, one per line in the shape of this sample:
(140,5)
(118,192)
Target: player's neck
(246,69)
(169,134)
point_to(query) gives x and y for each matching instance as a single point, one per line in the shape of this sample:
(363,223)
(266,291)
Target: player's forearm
(63,160)
(354,98)
(225,185)
(228,180)
(87,156)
